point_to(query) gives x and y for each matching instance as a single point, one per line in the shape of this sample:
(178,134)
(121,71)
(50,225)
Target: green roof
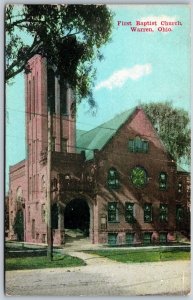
(180,169)
(98,137)
(79,132)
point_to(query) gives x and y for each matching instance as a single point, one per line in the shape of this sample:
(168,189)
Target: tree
(69,36)
(173,127)
(18,225)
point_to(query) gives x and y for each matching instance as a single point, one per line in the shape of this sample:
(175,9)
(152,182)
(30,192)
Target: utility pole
(49,216)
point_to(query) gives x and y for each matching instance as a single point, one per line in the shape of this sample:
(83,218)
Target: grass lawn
(41,262)
(139,256)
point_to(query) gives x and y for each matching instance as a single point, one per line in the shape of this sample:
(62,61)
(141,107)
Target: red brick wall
(116,154)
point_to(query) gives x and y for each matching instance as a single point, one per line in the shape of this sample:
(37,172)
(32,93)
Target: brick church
(115,183)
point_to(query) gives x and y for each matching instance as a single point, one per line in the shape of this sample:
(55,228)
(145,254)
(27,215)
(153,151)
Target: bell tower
(45,90)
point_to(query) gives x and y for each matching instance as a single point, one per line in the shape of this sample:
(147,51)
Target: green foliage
(173,127)
(70,36)
(28,263)
(18,225)
(140,256)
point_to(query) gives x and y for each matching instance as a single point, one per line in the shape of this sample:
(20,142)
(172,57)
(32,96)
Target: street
(103,277)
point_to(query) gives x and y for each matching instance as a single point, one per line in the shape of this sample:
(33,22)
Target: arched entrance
(77,216)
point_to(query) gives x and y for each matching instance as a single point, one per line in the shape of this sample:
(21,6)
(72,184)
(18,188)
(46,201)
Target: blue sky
(139,67)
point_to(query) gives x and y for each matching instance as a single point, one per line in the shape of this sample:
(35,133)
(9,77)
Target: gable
(98,137)
(134,120)
(140,125)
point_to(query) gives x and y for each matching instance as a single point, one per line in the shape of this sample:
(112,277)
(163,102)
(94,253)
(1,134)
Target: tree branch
(16,63)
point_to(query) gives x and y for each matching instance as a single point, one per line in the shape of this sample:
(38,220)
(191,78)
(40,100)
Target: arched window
(113,178)
(19,198)
(162,181)
(19,194)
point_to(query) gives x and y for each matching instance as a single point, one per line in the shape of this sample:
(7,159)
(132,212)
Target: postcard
(97,150)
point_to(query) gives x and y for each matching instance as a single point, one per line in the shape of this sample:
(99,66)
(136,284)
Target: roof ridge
(117,115)
(100,135)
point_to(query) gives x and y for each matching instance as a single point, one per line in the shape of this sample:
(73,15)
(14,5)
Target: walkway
(103,277)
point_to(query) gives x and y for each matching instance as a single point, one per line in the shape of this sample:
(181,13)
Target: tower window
(30,185)
(36,97)
(29,98)
(113,178)
(51,90)
(33,96)
(63,97)
(53,142)
(63,145)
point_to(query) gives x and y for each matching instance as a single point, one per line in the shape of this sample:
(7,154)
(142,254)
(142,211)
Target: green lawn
(41,262)
(139,256)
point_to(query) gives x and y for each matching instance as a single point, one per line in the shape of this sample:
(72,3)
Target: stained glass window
(162,181)
(163,212)
(147,213)
(138,145)
(112,212)
(129,212)
(113,179)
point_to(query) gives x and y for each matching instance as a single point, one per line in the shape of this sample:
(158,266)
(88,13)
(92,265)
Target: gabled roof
(98,137)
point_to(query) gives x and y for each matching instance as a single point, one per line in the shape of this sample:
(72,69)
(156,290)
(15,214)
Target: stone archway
(77,216)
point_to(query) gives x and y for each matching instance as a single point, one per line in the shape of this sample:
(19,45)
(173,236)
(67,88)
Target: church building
(115,183)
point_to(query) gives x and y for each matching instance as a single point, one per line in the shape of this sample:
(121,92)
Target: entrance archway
(77,216)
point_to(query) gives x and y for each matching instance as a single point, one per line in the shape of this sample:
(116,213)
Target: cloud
(119,78)
(158,20)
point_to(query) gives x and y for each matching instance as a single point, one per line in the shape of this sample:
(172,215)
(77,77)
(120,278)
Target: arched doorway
(77,216)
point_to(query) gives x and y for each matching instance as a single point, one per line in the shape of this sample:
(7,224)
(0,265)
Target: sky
(138,67)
